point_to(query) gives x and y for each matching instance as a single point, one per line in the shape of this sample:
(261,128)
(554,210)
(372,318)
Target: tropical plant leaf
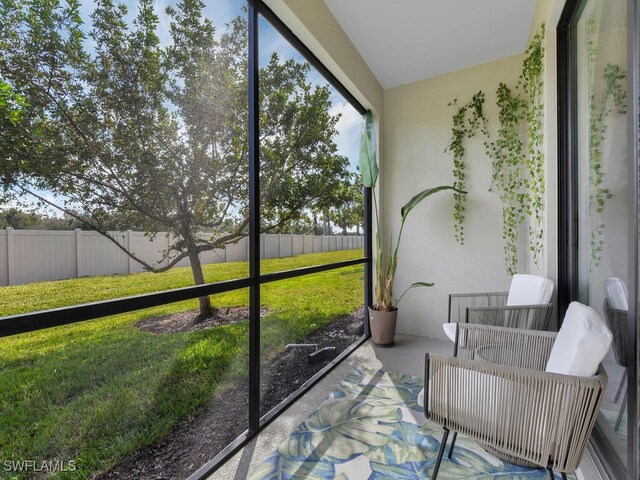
(368,161)
(404,211)
(414,285)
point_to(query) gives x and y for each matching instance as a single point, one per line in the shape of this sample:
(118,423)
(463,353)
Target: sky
(220,12)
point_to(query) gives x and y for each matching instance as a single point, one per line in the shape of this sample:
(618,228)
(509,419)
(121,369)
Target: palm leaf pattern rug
(372,428)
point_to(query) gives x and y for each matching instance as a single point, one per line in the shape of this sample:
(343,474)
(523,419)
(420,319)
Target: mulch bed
(189,321)
(192,443)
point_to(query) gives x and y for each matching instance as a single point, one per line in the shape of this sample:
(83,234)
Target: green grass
(95,391)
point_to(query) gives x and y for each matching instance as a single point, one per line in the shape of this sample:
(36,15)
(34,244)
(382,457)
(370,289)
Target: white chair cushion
(581,344)
(616,293)
(529,290)
(450,330)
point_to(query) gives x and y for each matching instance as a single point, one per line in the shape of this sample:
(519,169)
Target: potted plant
(383,313)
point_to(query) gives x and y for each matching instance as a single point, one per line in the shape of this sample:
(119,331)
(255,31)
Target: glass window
(128,149)
(305,323)
(142,394)
(604,192)
(312,204)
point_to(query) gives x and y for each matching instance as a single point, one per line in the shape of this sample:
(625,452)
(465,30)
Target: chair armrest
(519,347)
(530,317)
(458,302)
(528,414)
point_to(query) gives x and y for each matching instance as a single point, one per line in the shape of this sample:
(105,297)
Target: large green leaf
(424,194)
(368,161)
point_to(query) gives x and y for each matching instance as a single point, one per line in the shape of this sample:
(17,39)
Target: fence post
(129,259)
(303,236)
(79,268)
(10,256)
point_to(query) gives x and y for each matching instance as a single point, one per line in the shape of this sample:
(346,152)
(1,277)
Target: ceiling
(407,40)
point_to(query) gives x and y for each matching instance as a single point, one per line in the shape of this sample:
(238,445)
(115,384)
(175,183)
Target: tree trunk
(198,277)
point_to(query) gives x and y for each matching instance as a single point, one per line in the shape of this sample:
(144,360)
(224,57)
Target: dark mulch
(190,321)
(192,443)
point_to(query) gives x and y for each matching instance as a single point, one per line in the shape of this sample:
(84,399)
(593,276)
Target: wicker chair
(617,323)
(529,311)
(498,393)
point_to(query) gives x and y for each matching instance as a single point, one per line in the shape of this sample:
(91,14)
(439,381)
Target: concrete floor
(406,357)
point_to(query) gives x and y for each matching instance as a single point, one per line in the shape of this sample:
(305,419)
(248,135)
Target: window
(599,175)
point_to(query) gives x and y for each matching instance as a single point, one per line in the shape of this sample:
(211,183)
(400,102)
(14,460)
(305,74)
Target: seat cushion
(616,293)
(450,330)
(529,290)
(581,344)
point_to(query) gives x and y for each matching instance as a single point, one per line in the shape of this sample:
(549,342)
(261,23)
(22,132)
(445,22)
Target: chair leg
(552,477)
(453,444)
(443,443)
(622,382)
(623,407)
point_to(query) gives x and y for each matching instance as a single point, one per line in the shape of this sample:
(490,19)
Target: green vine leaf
(611,98)
(517,162)
(467,120)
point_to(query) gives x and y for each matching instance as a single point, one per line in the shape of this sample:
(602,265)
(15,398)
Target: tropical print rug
(372,428)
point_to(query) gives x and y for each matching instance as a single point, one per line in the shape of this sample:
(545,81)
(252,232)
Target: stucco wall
(417,128)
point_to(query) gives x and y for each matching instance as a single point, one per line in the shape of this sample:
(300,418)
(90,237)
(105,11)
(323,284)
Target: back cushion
(529,290)
(581,344)
(616,293)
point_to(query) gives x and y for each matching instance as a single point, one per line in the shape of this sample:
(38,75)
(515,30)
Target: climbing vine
(601,105)
(517,164)
(532,83)
(507,154)
(467,119)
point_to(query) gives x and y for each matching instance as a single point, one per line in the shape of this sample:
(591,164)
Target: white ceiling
(407,40)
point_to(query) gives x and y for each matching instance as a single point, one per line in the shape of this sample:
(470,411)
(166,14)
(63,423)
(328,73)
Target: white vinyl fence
(39,255)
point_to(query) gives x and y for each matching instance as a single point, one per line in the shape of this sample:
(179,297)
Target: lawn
(95,391)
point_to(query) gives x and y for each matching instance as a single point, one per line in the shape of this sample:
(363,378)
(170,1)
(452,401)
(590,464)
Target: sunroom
(202,199)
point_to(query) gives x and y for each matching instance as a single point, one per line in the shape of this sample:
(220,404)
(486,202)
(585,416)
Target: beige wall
(417,129)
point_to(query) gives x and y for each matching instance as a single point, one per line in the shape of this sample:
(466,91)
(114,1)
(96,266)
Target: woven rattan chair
(617,323)
(504,309)
(498,393)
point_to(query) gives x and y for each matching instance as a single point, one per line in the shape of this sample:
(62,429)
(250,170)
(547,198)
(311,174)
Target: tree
(349,208)
(34,220)
(156,135)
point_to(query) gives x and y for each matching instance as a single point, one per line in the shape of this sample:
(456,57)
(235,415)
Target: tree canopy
(155,134)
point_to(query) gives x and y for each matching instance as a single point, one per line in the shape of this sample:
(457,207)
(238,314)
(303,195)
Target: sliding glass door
(598,201)
(604,194)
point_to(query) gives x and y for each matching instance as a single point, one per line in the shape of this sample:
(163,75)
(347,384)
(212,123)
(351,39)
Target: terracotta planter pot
(383,327)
